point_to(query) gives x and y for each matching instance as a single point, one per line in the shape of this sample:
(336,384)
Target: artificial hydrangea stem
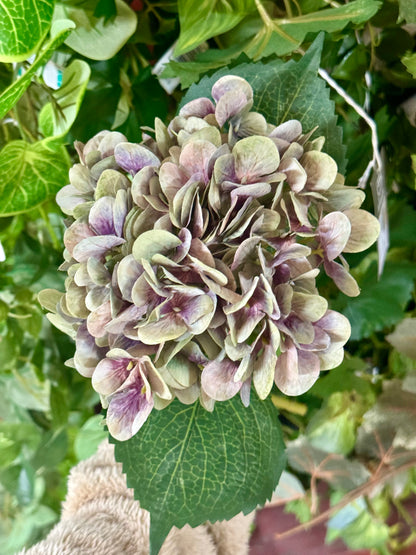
(378,187)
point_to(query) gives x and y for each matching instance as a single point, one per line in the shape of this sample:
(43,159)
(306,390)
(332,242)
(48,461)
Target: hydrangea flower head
(192,259)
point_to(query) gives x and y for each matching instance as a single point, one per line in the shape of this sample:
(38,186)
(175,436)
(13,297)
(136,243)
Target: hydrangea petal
(342,278)
(365,229)
(296,371)
(321,170)
(230,104)
(129,408)
(200,107)
(110,374)
(195,157)
(334,230)
(132,157)
(96,246)
(101,216)
(255,157)
(217,380)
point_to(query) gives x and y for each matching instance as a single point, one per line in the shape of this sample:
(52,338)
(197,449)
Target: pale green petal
(365,229)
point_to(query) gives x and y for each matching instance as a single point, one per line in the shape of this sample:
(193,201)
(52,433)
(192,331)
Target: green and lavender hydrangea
(192,259)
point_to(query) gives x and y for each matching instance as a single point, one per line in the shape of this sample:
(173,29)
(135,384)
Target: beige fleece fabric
(101,517)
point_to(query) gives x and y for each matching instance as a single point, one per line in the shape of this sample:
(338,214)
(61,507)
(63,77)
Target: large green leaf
(30,174)
(23,26)
(290,33)
(187,465)
(57,122)
(381,302)
(284,91)
(95,37)
(201,20)
(11,95)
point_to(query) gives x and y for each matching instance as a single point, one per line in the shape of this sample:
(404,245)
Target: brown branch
(364,489)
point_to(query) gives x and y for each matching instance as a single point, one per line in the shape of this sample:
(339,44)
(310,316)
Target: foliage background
(355,428)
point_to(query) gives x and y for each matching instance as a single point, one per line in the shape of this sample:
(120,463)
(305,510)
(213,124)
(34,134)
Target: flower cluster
(192,259)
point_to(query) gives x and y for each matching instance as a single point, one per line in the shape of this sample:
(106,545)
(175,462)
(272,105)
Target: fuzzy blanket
(100,516)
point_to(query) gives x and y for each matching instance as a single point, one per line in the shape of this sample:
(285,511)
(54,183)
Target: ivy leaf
(23,26)
(188,465)
(284,91)
(390,423)
(290,33)
(381,302)
(11,95)
(200,21)
(335,469)
(98,38)
(57,123)
(31,174)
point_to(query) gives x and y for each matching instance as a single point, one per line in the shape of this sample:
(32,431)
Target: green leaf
(25,389)
(200,21)
(23,26)
(98,38)
(11,95)
(54,122)
(188,465)
(89,437)
(290,33)
(345,378)
(410,62)
(381,303)
(52,449)
(365,532)
(13,435)
(333,427)
(284,91)
(407,11)
(31,174)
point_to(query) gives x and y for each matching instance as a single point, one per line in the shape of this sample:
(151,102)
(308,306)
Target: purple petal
(231,83)
(87,353)
(132,157)
(217,380)
(200,107)
(172,178)
(101,216)
(288,131)
(75,234)
(97,320)
(95,246)
(195,157)
(129,407)
(109,375)
(296,371)
(342,278)
(230,104)
(120,211)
